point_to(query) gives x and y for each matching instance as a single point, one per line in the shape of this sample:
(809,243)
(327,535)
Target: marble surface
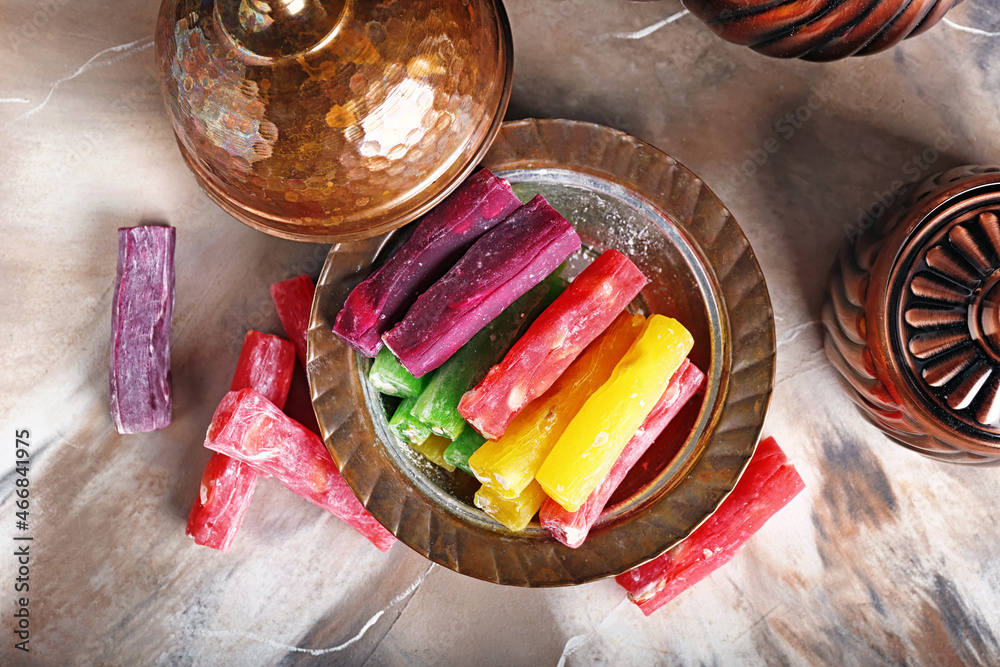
(887,558)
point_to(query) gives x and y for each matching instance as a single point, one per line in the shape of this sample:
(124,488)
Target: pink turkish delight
(266,364)
(768,484)
(248,427)
(293,299)
(552,342)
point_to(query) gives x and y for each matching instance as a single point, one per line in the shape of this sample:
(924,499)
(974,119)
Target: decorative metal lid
(819,29)
(948,313)
(913,319)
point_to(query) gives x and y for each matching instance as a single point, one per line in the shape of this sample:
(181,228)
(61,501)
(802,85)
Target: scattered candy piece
(514,513)
(554,340)
(408,428)
(439,240)
(508,465)
(590,445)
(388,376)
(141,311)
(502,265)
(227,485)
(437,405)
(432,448)
(293,299)
(768,484)
(465,445)
(571,528)
(248,427)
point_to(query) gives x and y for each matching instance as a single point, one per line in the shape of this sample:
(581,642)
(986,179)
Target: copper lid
(921,297)
(328,120)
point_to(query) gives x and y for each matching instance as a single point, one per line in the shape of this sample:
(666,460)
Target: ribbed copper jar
(819,29)
(327,120)
(913,318)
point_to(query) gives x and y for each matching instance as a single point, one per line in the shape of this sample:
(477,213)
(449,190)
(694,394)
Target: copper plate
(621,193)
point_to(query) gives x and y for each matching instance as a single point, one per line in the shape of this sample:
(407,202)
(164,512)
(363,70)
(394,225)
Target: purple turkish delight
(505,263)
(142,306)
(380,301)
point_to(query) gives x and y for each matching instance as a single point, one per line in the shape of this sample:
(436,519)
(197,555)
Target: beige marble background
(887,558)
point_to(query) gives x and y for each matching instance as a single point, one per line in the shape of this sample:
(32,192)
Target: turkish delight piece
(433,448)
(590,445)
(462,448)
(293,299)
(141,311)
(571,528)
(768,484)
(439,240)
(388,376)
(266,364)
(502,265)
(508,465)
(227,486)
(248,427)
(437,405)
(408,428)
(554,340)
(514,513)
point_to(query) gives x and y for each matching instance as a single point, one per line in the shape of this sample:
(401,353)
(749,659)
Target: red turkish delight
(768,484)
(502,265)
(552,342)
(439,240)
(141,311)
(248,427)
(266,364)
(571,528)
(293,299)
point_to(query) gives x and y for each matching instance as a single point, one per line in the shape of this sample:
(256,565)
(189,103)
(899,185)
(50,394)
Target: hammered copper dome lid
(326,120)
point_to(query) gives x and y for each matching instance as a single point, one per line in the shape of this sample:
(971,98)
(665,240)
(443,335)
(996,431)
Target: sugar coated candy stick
(433,448)
(437,405)
(572,528)
(502,265)
(768,484)
(389,377)
(408,428)
(589,446)
(441,237)
(575,318)
(141,311)
(462,448)
(508,465)
(266,364)
(514,513)
(248,427)
(224,496)
(293,299)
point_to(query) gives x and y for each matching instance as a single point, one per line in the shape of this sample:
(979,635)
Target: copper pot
(819,29)
(327,120)
(913,318)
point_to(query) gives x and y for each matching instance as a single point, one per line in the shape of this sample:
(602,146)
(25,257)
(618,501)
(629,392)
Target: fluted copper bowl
(913,317)
(619,193)
(327,120)
(819,29)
